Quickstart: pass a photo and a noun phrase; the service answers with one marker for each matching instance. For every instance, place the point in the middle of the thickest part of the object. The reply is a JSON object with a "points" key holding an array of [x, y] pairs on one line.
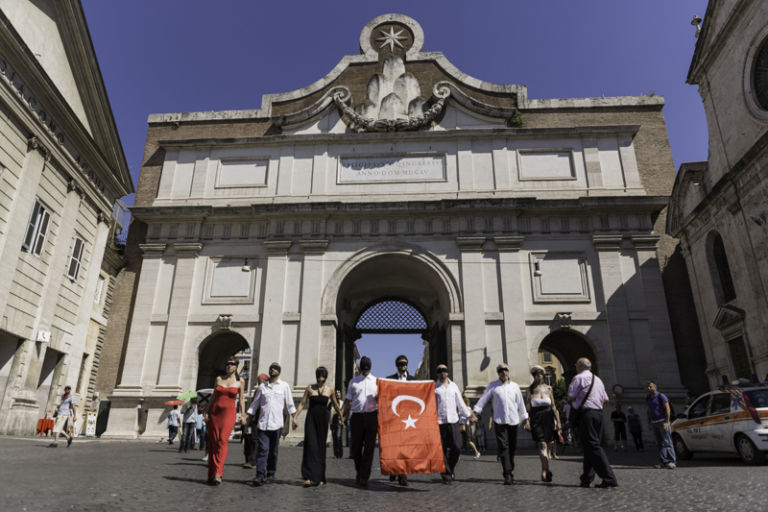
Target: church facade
{"points": [[718, 208], [508, 225]]}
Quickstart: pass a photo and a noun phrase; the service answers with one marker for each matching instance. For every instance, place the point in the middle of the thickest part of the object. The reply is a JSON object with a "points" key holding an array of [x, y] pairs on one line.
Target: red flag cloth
{"points": [[409, 438]]}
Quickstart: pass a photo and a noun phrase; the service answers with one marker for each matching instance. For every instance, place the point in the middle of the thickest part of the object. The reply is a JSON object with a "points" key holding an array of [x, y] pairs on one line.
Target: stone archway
{"points": [[568, 346], [404, 276], [213, 353]]}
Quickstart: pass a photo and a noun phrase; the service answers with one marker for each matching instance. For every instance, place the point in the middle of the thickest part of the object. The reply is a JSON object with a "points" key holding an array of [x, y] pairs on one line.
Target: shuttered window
{"points": [[37, 228], [76, 258]]}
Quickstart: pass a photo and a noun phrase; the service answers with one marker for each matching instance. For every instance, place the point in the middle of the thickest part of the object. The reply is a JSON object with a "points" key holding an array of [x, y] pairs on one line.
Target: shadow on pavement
{"points": [[373, 486]]}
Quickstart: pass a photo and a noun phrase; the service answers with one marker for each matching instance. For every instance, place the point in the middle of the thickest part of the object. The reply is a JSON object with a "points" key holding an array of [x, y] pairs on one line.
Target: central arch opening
{"points": [[388, 305], [214, 352], [390, 327]]}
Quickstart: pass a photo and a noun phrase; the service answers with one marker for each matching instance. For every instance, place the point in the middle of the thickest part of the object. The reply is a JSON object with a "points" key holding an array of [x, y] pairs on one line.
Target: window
{"points": [[739, 357], [721, 272], [36, 230], [721, 404], [76, 258], [546, 356], [699, 408]]}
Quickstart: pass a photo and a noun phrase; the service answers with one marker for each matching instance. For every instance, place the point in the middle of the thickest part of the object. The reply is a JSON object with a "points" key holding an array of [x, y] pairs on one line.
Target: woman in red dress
{"points": [[221, 419]]}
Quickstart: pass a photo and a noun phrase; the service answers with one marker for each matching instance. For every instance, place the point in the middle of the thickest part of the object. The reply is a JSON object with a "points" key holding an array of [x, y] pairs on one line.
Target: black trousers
{"points": [[363, 426], [450, 437], [337, 435], [638, 437], [590, 432], [506, 442]]}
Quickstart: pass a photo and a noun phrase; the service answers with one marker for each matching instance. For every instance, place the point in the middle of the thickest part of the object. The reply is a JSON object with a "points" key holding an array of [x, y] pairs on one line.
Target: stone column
{"points": [[23, 202], [662, 347], [512, 304], [473, 341], [309, 328], [620, 366], [272, 316], [175, 341], [456, 350], [133, 368]]}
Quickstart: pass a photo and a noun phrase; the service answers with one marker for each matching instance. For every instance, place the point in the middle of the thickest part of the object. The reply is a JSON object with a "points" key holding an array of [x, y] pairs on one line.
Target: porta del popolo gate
{"points": [[502, 224]]}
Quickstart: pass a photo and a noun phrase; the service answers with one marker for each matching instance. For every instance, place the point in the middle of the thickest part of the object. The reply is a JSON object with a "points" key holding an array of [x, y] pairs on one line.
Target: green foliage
{"points": [[560, 393]]}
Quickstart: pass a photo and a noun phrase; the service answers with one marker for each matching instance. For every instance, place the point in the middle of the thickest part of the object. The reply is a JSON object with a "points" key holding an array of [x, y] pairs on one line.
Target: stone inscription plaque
{"points": [[391, 169]]}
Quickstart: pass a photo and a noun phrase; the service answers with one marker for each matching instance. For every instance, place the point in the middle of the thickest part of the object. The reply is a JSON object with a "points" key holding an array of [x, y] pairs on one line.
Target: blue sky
{"points": [[186, 55]]}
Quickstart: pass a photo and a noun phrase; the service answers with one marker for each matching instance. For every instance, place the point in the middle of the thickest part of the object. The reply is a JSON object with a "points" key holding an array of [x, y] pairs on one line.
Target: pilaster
{"points": [[309, 353], [272, 316], [513, 302], [473, 340]]}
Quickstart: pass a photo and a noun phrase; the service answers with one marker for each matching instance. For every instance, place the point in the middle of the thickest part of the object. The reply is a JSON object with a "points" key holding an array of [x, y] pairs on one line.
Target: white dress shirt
{"points": [[270, 399], [507, 400], [448, 400], [362, 393]]}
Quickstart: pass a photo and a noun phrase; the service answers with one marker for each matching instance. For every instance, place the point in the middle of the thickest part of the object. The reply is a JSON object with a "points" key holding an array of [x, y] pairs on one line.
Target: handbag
{"points": [[576, 414]]}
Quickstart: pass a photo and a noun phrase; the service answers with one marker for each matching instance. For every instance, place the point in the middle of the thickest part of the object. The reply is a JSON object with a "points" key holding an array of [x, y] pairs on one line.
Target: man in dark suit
{"points": [[402, 374]]}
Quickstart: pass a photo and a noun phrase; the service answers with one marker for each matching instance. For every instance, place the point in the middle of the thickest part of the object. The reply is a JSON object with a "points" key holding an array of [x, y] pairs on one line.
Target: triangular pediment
{"points": [[55, 32], [728, 317]]}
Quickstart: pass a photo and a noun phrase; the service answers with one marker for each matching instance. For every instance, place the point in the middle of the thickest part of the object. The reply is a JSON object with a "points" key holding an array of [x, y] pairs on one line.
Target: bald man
{"points": [[587, 395]]}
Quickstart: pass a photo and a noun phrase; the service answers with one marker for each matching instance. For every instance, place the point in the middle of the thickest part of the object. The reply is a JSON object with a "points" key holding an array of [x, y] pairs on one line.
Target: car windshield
{"points": [[758, 397]]}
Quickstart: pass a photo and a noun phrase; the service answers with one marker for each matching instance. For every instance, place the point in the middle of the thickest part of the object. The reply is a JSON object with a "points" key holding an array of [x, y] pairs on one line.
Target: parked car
{"points": [[731, 419]]}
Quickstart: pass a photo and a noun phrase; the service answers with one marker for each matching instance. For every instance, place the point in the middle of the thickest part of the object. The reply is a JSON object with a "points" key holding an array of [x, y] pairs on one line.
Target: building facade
{"points": [[497, 225], [61, 170], [718, 208]]}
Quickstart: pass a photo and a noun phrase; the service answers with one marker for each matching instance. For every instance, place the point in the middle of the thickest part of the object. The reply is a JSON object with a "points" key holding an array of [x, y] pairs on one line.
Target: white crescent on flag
{"points": [[409, 398]]}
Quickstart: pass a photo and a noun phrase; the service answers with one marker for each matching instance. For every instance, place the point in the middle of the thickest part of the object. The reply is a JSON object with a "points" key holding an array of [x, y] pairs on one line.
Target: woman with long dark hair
{"points": [[222, 415], [545, 421], [319, 397]]}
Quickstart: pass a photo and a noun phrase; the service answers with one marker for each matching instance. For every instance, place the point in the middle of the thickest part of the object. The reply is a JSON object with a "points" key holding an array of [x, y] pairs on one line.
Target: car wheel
{"points": [[748, 451], [681, 449]]}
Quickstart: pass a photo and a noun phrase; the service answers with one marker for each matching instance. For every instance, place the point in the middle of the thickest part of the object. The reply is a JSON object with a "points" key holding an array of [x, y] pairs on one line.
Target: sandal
{"points": [[307, 483]]}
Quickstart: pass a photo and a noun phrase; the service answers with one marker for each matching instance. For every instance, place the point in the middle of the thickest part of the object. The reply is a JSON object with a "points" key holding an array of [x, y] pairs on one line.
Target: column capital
{"points": [[607, 242], [187, 248], [646, 242], [277, 247], [470, 243], [508, 243], [313, 246], [152, 250]]}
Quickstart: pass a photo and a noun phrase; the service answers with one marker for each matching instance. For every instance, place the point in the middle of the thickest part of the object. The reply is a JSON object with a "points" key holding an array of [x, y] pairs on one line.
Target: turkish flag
{"points": [[409, 438]]}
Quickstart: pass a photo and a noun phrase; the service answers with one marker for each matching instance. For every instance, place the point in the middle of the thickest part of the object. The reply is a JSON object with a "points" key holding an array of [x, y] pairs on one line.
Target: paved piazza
{"points": [[142, 476]]}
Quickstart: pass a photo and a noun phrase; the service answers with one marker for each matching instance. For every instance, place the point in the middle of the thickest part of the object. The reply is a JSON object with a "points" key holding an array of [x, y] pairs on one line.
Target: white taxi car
{"points": [[731, 419]]}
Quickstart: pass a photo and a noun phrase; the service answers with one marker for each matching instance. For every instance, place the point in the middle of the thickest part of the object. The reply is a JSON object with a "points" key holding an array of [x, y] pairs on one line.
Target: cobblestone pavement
{"points": [[96, 475]]}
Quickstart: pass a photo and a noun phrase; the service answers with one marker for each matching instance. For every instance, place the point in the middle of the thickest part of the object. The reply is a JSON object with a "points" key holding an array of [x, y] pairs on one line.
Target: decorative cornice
{"points": [[277, 247], [646, 242], [187, 248], [152, 250], [313, 246]]}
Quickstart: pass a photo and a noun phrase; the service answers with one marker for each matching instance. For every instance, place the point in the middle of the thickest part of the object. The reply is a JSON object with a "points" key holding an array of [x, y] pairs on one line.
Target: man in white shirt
{"points": [[450, 405], [361, 400], [508, 412], [271, 399]]}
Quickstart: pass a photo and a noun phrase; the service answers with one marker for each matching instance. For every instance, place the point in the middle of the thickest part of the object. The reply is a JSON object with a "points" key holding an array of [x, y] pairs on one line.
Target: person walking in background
{"points": [[337, 430], [271, 401], [635, 428], [222, 415], [173, 424], [508, 412], [361, 401], [450, 407], [468, 431], [587, 395], [189, 426], [544, 420], [64, 416], [251, 430], [401, 363], [619, 420], [317, 397], [659, 418]]}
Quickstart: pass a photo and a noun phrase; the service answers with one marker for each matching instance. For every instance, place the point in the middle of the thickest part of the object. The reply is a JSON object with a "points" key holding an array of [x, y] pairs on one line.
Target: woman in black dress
{"points": [[317, 397], [543, 417]]}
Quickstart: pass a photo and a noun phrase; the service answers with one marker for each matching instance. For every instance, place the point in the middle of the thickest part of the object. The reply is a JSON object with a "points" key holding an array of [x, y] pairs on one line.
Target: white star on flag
{"points": [[410, 422]]}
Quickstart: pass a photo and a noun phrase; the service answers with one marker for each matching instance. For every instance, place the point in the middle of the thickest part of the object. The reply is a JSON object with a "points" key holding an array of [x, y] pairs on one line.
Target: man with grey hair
{"points": [[587, 395]]}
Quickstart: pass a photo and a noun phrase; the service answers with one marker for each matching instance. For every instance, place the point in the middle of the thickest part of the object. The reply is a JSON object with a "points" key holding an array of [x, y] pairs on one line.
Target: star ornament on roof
{"points": [[391, 38], [410, 422]]}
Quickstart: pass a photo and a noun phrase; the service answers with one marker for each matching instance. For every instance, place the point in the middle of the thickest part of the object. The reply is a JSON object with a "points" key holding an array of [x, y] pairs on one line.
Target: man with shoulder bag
{"points": [[587, 395]]}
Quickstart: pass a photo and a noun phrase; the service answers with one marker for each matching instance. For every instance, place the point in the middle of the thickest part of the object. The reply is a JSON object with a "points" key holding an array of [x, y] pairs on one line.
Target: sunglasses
{"points": [[442, 370], [274, 368], [502, 370], [231, 363], [402, 363]]}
